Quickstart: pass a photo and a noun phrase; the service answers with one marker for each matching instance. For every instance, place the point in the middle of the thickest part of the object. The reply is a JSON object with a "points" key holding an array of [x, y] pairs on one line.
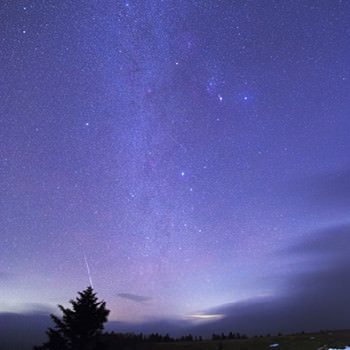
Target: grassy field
{"points": [[310, 341]]}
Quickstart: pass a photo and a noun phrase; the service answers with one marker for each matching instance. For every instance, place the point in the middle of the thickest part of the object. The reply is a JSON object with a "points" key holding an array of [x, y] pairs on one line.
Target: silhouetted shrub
{"points": [[80, 327]]}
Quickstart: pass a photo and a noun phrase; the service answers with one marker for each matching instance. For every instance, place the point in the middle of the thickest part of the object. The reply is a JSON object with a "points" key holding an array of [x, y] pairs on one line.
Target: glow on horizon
{"points": [[205, 317]]}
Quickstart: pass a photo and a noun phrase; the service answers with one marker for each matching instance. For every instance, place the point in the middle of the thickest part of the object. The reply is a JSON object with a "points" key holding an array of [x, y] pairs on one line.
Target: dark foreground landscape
{"points": [[323, 340]]}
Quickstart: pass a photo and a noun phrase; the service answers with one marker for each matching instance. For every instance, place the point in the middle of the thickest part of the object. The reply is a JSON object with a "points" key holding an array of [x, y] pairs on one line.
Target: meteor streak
{"points": [[88, 270]]}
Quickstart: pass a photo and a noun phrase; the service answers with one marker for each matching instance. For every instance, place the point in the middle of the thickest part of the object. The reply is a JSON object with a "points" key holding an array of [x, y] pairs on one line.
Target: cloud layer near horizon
{"points": [[313, 300]]}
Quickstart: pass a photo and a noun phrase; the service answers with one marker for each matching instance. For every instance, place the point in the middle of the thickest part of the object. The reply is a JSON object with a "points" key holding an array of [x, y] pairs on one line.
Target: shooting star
{"points": [[88, 271]]}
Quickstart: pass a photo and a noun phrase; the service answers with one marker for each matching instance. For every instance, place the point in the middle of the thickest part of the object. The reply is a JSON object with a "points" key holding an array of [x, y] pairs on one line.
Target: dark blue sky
{"points": [[189, 154]]}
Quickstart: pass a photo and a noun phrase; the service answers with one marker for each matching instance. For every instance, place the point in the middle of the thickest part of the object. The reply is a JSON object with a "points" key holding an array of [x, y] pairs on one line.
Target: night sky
{"points": [[187, 158]]}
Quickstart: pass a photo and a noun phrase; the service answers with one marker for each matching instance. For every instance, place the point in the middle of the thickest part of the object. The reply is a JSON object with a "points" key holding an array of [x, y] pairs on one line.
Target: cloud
{"points": [[313, 299], [331, 243], [134, 297], [325, 189], [22, 331], [204, 317], [330, 280], [300, 312], [25, 329], [38, 308]]}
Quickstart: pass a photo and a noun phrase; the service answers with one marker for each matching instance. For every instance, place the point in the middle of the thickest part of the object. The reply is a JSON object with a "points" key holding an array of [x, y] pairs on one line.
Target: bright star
{"points": [[182, 173]]}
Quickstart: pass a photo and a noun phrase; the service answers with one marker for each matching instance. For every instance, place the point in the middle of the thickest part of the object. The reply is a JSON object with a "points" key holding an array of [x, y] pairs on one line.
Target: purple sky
{"points": [[194, 154]]}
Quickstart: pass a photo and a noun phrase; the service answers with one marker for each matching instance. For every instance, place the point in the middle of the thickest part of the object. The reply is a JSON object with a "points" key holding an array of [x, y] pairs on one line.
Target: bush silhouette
{"points": [[80, 327]]}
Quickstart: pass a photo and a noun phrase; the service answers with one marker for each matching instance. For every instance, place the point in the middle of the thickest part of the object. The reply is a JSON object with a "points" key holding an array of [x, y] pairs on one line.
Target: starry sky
{"points": [[188, 158]]}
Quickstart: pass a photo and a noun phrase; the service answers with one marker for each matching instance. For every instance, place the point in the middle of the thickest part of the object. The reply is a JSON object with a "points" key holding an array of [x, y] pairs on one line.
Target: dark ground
{"points": [[307, 341]]}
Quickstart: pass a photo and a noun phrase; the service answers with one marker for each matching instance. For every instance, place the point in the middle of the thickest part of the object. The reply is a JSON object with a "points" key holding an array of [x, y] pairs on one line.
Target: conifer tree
{"points": [[80, 327]]}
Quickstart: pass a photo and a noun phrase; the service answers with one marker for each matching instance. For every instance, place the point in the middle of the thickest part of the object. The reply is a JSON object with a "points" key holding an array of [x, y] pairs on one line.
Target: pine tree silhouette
{"points": [[80, 327]]}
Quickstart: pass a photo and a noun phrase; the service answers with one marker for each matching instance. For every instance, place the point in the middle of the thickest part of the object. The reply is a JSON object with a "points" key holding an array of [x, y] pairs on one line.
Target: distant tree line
{"points": [[231, 335], [132, 338]]}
